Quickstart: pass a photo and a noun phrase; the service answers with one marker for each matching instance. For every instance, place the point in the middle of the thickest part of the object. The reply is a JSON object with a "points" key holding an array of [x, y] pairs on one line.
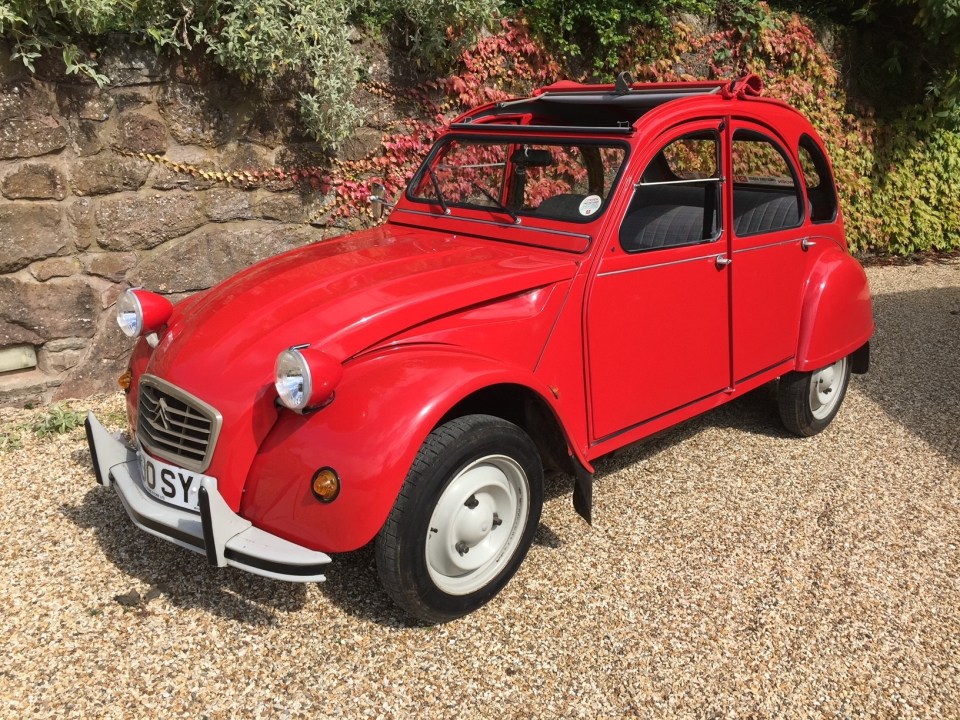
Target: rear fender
{"points": [[384, 408], [837, 315]]}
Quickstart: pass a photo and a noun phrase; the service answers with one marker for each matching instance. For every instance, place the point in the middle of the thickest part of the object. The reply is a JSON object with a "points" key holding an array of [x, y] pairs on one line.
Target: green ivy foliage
{"points": [[594, 33], [899, 52], [899, 181], [431, 33], [917, 190]]}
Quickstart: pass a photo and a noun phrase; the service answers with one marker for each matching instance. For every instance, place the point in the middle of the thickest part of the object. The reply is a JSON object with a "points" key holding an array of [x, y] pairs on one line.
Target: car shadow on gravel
{"points": [[181, 576], [915, 364], [754, 413]]}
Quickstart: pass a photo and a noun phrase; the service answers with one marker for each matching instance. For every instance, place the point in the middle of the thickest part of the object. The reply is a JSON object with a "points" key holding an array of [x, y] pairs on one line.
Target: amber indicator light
{"points": [[325, 485], [124, 380]]}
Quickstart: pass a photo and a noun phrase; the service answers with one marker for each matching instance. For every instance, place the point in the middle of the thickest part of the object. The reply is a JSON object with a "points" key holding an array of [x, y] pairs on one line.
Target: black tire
{"points": [[501, 462], [804, 410]]}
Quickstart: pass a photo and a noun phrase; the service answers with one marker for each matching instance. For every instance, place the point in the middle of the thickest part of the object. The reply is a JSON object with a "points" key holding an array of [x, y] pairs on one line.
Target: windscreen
{"points": [[555, 180]]}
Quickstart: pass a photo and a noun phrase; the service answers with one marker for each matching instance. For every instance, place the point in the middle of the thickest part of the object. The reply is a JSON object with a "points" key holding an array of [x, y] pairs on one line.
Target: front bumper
{"points": [[218, 532]]}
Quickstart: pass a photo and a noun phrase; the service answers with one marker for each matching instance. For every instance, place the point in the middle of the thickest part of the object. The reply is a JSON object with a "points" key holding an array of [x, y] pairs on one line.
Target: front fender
{"points": [[837, 315], [384, 408]]}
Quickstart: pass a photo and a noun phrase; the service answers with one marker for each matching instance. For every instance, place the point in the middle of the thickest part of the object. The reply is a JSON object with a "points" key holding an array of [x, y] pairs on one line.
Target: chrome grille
{"points": [[176, 426]]}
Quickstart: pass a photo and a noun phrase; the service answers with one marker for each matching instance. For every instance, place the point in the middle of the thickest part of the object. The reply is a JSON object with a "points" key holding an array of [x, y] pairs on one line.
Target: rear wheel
{"points": [[809, 401], [464, 519]]}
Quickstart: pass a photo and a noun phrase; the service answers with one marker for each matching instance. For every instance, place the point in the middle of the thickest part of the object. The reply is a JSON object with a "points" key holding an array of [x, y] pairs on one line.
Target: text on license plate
{"points": [[169, 483]]}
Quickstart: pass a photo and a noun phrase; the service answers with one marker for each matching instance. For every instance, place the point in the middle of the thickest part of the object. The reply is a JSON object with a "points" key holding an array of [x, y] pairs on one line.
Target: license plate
{"points": [[169, 483]]}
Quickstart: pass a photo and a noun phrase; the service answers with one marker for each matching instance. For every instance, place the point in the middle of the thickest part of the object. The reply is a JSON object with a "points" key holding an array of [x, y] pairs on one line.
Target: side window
{"points": [[821, 191], [677, 201], [766, 196]]}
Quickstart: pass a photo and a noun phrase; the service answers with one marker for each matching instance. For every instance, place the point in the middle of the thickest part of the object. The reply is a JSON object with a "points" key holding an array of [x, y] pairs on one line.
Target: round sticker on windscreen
{"points": [[590, 204]]}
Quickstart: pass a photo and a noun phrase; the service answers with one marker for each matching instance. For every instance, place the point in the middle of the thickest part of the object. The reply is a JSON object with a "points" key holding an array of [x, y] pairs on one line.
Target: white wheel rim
{"points": [[477, 524], [826, 387]]}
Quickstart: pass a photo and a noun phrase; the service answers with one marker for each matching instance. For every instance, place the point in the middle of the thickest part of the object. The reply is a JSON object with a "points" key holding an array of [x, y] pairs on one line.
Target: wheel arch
{"points": [[837, 314], [528, 410], [385, 408]]}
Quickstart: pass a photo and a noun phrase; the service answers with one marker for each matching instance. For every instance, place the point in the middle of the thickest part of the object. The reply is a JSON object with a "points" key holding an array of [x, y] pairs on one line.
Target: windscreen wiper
{"points": [[436, 188], [496, 201]]}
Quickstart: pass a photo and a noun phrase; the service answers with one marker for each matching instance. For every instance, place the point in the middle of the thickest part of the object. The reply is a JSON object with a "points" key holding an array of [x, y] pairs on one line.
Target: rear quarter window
{"points": [[818, 181], [766, 193]]}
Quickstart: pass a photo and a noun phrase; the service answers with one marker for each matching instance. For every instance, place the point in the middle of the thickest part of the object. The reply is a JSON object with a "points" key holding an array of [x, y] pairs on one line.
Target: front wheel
{"points": [[464, 519], [809, 400]]}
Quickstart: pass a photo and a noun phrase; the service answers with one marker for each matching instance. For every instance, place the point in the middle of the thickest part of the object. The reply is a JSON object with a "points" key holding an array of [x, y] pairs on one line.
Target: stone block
{"points": [[85, 137], [29, 232], [226, 204], [81, 215], [108, 173], [167, 178], [58, 308], [194, 116], [87, 102], [110, 265], [139, 133], [34, 182], [130, 100], [57, 362], [140, 222], [285, 207], [177, 174], [55, 267], [127, 63], [245, 156], [362, 142], [66, 344], [109, 295], [270, 124], [101, 365], [25, 100], [25, 389], [29, 137], [17, 357]]}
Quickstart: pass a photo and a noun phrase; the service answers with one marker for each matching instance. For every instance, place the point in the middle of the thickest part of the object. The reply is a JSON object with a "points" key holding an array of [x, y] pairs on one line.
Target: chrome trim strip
{"points": [[581, 236], [202, 408], [711, 256], [768, 245]]}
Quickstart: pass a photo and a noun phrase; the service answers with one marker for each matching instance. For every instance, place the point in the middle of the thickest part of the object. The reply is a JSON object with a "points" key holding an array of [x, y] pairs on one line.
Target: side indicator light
{"points": [[124, 380], [325, 485]]}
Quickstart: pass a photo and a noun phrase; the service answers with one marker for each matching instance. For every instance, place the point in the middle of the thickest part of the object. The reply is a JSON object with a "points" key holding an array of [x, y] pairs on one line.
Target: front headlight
{"points": [[130, 314], [293, 380], [305, 379], [140, 312]]}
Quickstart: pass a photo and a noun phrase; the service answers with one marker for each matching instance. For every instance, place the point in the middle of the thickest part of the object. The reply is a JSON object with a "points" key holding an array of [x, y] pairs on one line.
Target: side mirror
{"points": [[378, 200]]}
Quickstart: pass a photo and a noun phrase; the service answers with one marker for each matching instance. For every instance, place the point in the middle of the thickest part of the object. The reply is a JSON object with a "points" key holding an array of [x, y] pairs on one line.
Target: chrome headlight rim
{"points": [[130, 313], [293, 394]]}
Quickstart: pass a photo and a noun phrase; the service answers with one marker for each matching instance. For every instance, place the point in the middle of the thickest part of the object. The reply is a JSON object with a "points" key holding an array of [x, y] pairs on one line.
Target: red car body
{"points": [[551, 323]]}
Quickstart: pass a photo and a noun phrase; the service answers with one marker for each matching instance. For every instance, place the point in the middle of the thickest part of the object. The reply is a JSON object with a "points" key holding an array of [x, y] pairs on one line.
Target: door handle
{"points": [[806, 244], [722, 261]]}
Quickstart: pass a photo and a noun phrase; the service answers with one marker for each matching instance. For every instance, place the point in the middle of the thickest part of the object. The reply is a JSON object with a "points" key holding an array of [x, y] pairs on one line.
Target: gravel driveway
{"points": [[731, 571]]}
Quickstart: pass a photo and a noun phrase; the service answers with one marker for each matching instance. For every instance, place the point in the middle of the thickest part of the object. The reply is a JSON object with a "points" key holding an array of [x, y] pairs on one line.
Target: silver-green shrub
{"points": [[303, 44]]}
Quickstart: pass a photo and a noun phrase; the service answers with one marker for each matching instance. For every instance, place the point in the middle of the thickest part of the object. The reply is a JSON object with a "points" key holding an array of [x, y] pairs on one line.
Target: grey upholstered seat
{"points": [[756, 211], [657, 226], [566, 205]]}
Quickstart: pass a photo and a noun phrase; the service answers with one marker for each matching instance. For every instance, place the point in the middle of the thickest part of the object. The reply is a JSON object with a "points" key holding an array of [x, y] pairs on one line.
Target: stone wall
{"points": [[89, 208]]}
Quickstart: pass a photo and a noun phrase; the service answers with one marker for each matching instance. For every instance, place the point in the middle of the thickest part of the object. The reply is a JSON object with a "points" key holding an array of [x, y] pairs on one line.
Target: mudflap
{"points": [[583, 492]]}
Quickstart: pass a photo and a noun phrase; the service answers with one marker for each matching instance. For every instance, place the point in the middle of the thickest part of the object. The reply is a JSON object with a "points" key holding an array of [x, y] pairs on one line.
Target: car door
{"points": [[767, 236], [658, 313]]}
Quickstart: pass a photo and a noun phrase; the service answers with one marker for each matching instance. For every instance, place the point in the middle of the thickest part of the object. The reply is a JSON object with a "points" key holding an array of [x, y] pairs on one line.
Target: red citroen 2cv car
{"points": [[567, 273]]}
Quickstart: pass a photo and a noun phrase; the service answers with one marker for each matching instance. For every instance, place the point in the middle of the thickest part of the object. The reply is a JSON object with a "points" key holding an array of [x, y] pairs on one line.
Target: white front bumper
{"points": [[216, 531]]}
